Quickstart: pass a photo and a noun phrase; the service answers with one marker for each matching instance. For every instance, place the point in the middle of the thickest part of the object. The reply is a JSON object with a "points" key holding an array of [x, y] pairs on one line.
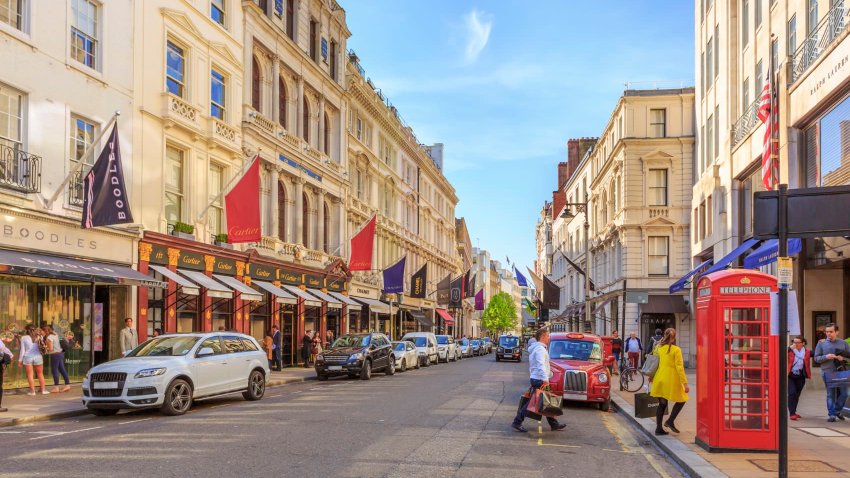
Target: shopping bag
{"points": [[549, 405], [837, 379], [646, 406], [650, 365], [533, 404]]}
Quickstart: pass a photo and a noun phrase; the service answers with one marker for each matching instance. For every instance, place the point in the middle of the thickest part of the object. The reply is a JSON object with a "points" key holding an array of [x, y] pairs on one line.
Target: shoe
{"points": [[831, 419], [519, 428], [3, 409], [671, 427], [840, 416], [560, 427], [45, 392], [659, 433], [31, 394], [794, 417]]}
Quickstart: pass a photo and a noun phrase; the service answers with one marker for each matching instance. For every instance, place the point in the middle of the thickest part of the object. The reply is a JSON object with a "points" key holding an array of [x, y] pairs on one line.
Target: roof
{"points": [[563, 335]]}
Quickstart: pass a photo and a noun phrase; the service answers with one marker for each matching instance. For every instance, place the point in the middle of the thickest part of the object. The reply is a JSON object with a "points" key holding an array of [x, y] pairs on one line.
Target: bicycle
{"points": [[631, 379]]}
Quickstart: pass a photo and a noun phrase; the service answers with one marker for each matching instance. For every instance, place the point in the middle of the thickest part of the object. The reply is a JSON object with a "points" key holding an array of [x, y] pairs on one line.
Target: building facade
{"points": [[543, 241]]}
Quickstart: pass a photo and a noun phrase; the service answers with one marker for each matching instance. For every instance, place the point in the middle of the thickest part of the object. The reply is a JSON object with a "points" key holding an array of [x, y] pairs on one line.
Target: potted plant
{"points": [[221, 241], [183, 231]]}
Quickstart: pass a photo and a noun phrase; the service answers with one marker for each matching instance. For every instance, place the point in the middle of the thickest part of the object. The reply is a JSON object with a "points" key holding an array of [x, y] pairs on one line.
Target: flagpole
{"points": [[48, 203], [225, 189]]}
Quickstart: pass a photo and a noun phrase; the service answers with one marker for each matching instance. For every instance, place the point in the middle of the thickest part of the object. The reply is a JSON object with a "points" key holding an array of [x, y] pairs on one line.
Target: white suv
{"points": [[447, 348], [426, 346], [170, 371]]}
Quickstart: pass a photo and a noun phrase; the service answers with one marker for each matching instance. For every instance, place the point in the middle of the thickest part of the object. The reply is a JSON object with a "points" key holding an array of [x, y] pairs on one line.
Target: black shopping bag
{"points": [[837, 379], [646, 406]]}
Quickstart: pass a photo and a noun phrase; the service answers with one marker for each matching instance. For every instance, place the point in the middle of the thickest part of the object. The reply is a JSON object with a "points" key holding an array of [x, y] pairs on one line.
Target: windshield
{"points": [[353, 341], [419, 341], [400, 346], [574, 349], [464, 342], [165, 347], [509, 342], [475, 342], [442, 339]]}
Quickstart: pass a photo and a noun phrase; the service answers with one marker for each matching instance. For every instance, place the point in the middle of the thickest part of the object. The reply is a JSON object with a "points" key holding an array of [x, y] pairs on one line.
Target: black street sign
{"points": [[812, 212]]}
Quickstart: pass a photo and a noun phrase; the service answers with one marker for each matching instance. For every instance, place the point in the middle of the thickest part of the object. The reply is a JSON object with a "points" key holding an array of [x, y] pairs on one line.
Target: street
{"points": [[446, 420]]}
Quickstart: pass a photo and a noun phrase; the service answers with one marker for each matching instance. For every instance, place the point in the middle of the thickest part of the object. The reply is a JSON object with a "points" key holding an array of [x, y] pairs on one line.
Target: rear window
{"points": [[233, 344], [508, 342], [442, 340], [249, 344]]}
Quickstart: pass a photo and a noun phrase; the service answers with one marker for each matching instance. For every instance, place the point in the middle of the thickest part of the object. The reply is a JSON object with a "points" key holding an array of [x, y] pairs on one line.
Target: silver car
{"points": [[406, 355], [447, 349], [465, 347]]}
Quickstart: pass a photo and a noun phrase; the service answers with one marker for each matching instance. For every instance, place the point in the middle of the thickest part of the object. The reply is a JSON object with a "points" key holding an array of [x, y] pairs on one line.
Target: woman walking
{"points": [[6, 357], [57, 359], [799, 369], [669, 383], [268, 346], [31, 358]]}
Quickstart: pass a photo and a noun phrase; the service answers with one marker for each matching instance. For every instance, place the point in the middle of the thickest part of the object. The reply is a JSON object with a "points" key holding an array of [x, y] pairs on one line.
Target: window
{"points": [[702, 229], [758, 13], [326, 141], [233, 344], [175, 67], [281, 211], [709, 213], [709, 63], [12, 13], [82, 136], [217, 95], [658, 256], [11, 117], [255, 83], [216, 212], [702, 72], [658, 123], [745, 22], [314, 34], [657, 187], [213, 343], [745, 95], [709, 139], [792, 35], [774, 53], [759, 79], [358, 128], [173, 184], [716, 132], [306, 120], [358, 181], [716, 52], [812, 16], [290, 19], [217, 11], [84, 32], [282, 101], [333, 60]]}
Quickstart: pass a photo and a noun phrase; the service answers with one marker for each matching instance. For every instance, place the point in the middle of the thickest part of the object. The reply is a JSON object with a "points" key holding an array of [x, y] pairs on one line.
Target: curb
{"points": [[84, 411], [677, 451]]}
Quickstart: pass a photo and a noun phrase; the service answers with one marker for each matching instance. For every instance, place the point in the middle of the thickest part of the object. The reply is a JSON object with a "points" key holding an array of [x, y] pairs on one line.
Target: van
{"points": [[426, 346]]}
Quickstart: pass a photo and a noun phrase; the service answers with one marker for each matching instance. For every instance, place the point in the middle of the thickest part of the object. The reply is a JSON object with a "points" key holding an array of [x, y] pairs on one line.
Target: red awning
{"points": [[446, 317]]}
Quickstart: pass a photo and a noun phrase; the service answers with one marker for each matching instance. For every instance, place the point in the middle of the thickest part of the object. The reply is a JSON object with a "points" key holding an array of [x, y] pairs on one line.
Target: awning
{"points": [[186, 286], [309, 300], [728, 258], [664, 304], [374, 305], [39, 265], [599, 306], [352, 304], [333, 302], [245, 292], [769, 251], [214, 289], [680, 284], [421, 317], [447, 318], [283, 297]]}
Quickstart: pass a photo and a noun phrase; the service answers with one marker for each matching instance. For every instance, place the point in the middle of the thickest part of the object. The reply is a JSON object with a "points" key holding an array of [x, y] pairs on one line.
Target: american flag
{"points": [[768, 113]]}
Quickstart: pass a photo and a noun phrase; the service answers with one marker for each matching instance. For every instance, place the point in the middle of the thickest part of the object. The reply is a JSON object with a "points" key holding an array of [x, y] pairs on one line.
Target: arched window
{"points": [[305, 226], [255, 84], [327, 226], [281, 103], [327, 138], [306, 120], [281, 212]]}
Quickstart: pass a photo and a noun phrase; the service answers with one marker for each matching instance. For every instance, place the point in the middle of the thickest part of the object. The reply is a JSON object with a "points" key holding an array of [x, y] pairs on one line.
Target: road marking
{"points": [[4, 432], [621, 438], [220, 405], [65, 433], [136, 421], [275, 396], [654, 463]]}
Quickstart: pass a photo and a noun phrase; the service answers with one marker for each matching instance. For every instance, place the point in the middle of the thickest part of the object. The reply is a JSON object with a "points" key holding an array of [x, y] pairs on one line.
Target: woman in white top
{"points": [[31, 359], [57, 359], [4, 353]]}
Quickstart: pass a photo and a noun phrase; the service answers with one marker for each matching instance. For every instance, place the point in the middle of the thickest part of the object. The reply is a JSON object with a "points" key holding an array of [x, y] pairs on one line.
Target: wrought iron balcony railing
{"points": [[828, 30], [746, 123], [19, 170], [75, 188]]}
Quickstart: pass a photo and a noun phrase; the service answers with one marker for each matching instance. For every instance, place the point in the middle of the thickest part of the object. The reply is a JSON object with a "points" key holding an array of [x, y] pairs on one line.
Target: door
{"points": [[209, 376], [746, 374], [382, 351], [287, 331], [237, 363]]}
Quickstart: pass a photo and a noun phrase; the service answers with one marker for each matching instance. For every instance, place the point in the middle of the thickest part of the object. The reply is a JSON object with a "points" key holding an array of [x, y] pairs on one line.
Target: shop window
{"points": [[84, 43], [827, 148]]}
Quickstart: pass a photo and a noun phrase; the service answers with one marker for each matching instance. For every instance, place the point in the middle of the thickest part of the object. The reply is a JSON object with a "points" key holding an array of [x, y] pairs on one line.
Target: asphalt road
{"points": [[446, 420]]}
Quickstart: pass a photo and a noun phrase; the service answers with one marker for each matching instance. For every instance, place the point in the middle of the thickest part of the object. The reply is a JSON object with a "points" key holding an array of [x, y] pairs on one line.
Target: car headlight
{"points": [[320, 358], [602, 377], [500, 349], [355, 357], [150, 372]]}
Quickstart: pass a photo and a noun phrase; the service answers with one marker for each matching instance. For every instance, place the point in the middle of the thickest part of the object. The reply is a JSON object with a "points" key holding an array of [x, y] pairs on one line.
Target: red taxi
{"points": [[580, 368]]}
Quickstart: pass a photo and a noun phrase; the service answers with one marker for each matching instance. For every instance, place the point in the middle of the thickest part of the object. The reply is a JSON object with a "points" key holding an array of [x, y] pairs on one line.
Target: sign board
{"points": [[793, 315], [637, 297], [811, 213], [786, 271]]}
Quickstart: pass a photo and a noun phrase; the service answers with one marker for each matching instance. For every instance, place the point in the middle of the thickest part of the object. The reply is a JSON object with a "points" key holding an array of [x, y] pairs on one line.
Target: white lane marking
{"points": [[136, 421], [275, 396], [9, 432], [65, 433], [219, 406]]}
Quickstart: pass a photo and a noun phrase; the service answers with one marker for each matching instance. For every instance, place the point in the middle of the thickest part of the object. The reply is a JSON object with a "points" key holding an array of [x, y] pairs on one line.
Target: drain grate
{"points": [[799, 466]]}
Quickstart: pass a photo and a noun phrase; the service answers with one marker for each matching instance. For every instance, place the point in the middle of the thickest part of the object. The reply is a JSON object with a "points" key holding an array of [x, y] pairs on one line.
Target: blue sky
{"points": [[504, 86]]}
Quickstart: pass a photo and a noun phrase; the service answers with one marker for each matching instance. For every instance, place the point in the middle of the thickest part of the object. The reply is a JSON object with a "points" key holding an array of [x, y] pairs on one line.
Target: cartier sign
{"points": [[263, 273], [314, 282], [291, 278]]}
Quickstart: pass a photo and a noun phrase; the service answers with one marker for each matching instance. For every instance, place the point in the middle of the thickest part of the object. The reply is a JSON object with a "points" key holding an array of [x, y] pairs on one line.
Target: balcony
{"points": [[746, 124], [830, 29], [178, 110], [262, 123], [75, 188], [19, 170], [295, 252], [224, 135]]}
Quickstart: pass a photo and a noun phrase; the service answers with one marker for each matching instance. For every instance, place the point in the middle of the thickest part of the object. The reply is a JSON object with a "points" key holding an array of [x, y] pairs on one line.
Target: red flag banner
{"points": [[242, 206], [768, 114], [362, 246]]}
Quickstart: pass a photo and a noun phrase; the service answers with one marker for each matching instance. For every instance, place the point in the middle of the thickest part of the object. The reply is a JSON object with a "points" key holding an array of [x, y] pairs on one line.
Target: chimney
{"points": [[563, 174]]}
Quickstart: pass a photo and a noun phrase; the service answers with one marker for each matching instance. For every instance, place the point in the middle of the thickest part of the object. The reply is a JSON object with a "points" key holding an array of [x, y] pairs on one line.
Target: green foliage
{"points": [[500, 314], [184, 228], [221, 238]]}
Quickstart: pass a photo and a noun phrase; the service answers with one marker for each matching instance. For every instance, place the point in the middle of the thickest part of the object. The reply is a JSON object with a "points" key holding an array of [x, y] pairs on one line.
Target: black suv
{"points": [[357, 355], [508, 348]]}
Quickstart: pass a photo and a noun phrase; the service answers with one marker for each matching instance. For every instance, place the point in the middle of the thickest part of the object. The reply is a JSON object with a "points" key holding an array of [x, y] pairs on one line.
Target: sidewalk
{"points": [[26, 409], [815, 445]]}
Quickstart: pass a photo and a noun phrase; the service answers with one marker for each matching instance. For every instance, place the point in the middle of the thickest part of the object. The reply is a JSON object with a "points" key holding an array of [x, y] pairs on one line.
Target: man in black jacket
{"points": [[306, 348], [652, 341]]}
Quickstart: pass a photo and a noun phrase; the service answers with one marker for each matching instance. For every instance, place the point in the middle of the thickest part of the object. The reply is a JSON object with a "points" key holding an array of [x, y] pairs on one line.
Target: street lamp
{"points": [[581, 207]]}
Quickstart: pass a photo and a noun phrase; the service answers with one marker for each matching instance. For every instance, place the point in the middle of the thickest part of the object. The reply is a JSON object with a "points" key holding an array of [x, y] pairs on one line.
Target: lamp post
{"points": [[581, 207]]}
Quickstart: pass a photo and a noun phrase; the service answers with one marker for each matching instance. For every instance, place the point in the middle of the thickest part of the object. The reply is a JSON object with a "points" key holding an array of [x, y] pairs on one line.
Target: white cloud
{"points": [[478, 34]]}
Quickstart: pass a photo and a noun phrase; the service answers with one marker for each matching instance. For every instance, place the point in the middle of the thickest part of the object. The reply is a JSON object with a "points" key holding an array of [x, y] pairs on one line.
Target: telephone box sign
{"points": [[744, 290]]}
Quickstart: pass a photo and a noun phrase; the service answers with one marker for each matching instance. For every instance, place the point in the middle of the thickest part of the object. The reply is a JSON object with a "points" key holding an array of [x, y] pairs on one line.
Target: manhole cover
{"points": [[812, 466]]}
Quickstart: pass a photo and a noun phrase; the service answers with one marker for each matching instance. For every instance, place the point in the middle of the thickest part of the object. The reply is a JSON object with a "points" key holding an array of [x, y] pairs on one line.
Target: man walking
{"points": [[276, 360], [306, 348], [633, 349], [129, 338], [616, 349], [652, 341], [538, 367], [830, 353]]}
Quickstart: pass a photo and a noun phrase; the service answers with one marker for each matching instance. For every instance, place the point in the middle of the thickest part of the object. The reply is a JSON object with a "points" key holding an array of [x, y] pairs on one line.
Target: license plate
{"points": [[105, 385], [335, 367], [575, 396]]}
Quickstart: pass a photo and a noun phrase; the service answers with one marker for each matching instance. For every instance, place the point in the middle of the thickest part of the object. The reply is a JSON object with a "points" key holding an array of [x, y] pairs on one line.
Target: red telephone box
{"points": [[737, 376]]}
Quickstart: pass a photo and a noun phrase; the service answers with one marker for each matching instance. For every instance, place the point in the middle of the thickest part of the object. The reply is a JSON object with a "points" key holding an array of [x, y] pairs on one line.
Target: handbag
{"points": [[650, 365], [646, 406], [533, 402], [837, 379], [549, 405]]}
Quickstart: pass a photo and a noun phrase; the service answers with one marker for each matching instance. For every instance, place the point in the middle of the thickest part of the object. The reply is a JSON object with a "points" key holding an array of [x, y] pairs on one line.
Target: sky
{"points": [[504, 84]]}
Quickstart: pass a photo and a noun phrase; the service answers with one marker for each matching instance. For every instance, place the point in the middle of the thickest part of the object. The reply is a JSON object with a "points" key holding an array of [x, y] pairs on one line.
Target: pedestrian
{"points": [[830, 354], [57, 359], [31, 359], [316, 347], [276, 348], [538, 368], [306, 346], [633, 349], [129, 337], [268, 346], [616, 350], [653, 341], [330, 338], [221, 328], [6, 357], [669, 384], [157, 332], [799, 370]]}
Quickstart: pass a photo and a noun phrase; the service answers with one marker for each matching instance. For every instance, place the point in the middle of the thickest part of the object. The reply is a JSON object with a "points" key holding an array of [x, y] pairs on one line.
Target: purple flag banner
{"points": [[479, 300], [105, 200], [394, 277]]}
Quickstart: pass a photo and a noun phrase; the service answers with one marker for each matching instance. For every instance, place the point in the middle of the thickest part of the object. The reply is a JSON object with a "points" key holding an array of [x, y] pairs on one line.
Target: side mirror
{"points": [[206, 351]]}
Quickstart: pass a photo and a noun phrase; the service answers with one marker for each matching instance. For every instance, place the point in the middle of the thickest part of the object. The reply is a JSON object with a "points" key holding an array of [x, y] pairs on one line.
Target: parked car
{"points": [[357, 355], [509, 348], [405, 355], [487, 344], [169, 372], [426, 346], [476, 347], [465, 347], [579, 369], [447, 348]]}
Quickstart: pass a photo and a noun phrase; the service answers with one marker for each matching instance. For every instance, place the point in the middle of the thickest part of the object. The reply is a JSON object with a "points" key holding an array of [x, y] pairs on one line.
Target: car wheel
{"points": [[427, 360], [178, 398], [417, 363], [403, 365], [256, 386], [605, 406], [498, 359], [366, 371], [321, 377], [390, 370], [108, 412], [352, 375]]}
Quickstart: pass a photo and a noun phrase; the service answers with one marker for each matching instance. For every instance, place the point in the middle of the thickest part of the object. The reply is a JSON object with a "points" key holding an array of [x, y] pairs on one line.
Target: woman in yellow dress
{"points": [[669, 383]]}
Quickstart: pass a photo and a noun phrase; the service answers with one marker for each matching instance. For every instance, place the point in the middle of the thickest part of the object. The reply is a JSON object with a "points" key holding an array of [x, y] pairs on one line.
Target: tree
{"points": [[500, 313]]}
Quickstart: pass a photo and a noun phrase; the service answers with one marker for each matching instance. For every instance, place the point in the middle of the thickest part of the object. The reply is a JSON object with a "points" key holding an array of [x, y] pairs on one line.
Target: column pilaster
{"points": [[299, 211], [320, 220], [275, 204], [276, 88], [300, 108], [321, 140]]}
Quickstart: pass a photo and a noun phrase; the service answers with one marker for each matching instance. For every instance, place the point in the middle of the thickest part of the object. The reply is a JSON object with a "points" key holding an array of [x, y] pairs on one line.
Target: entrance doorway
{"points": [[650, 322]]}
